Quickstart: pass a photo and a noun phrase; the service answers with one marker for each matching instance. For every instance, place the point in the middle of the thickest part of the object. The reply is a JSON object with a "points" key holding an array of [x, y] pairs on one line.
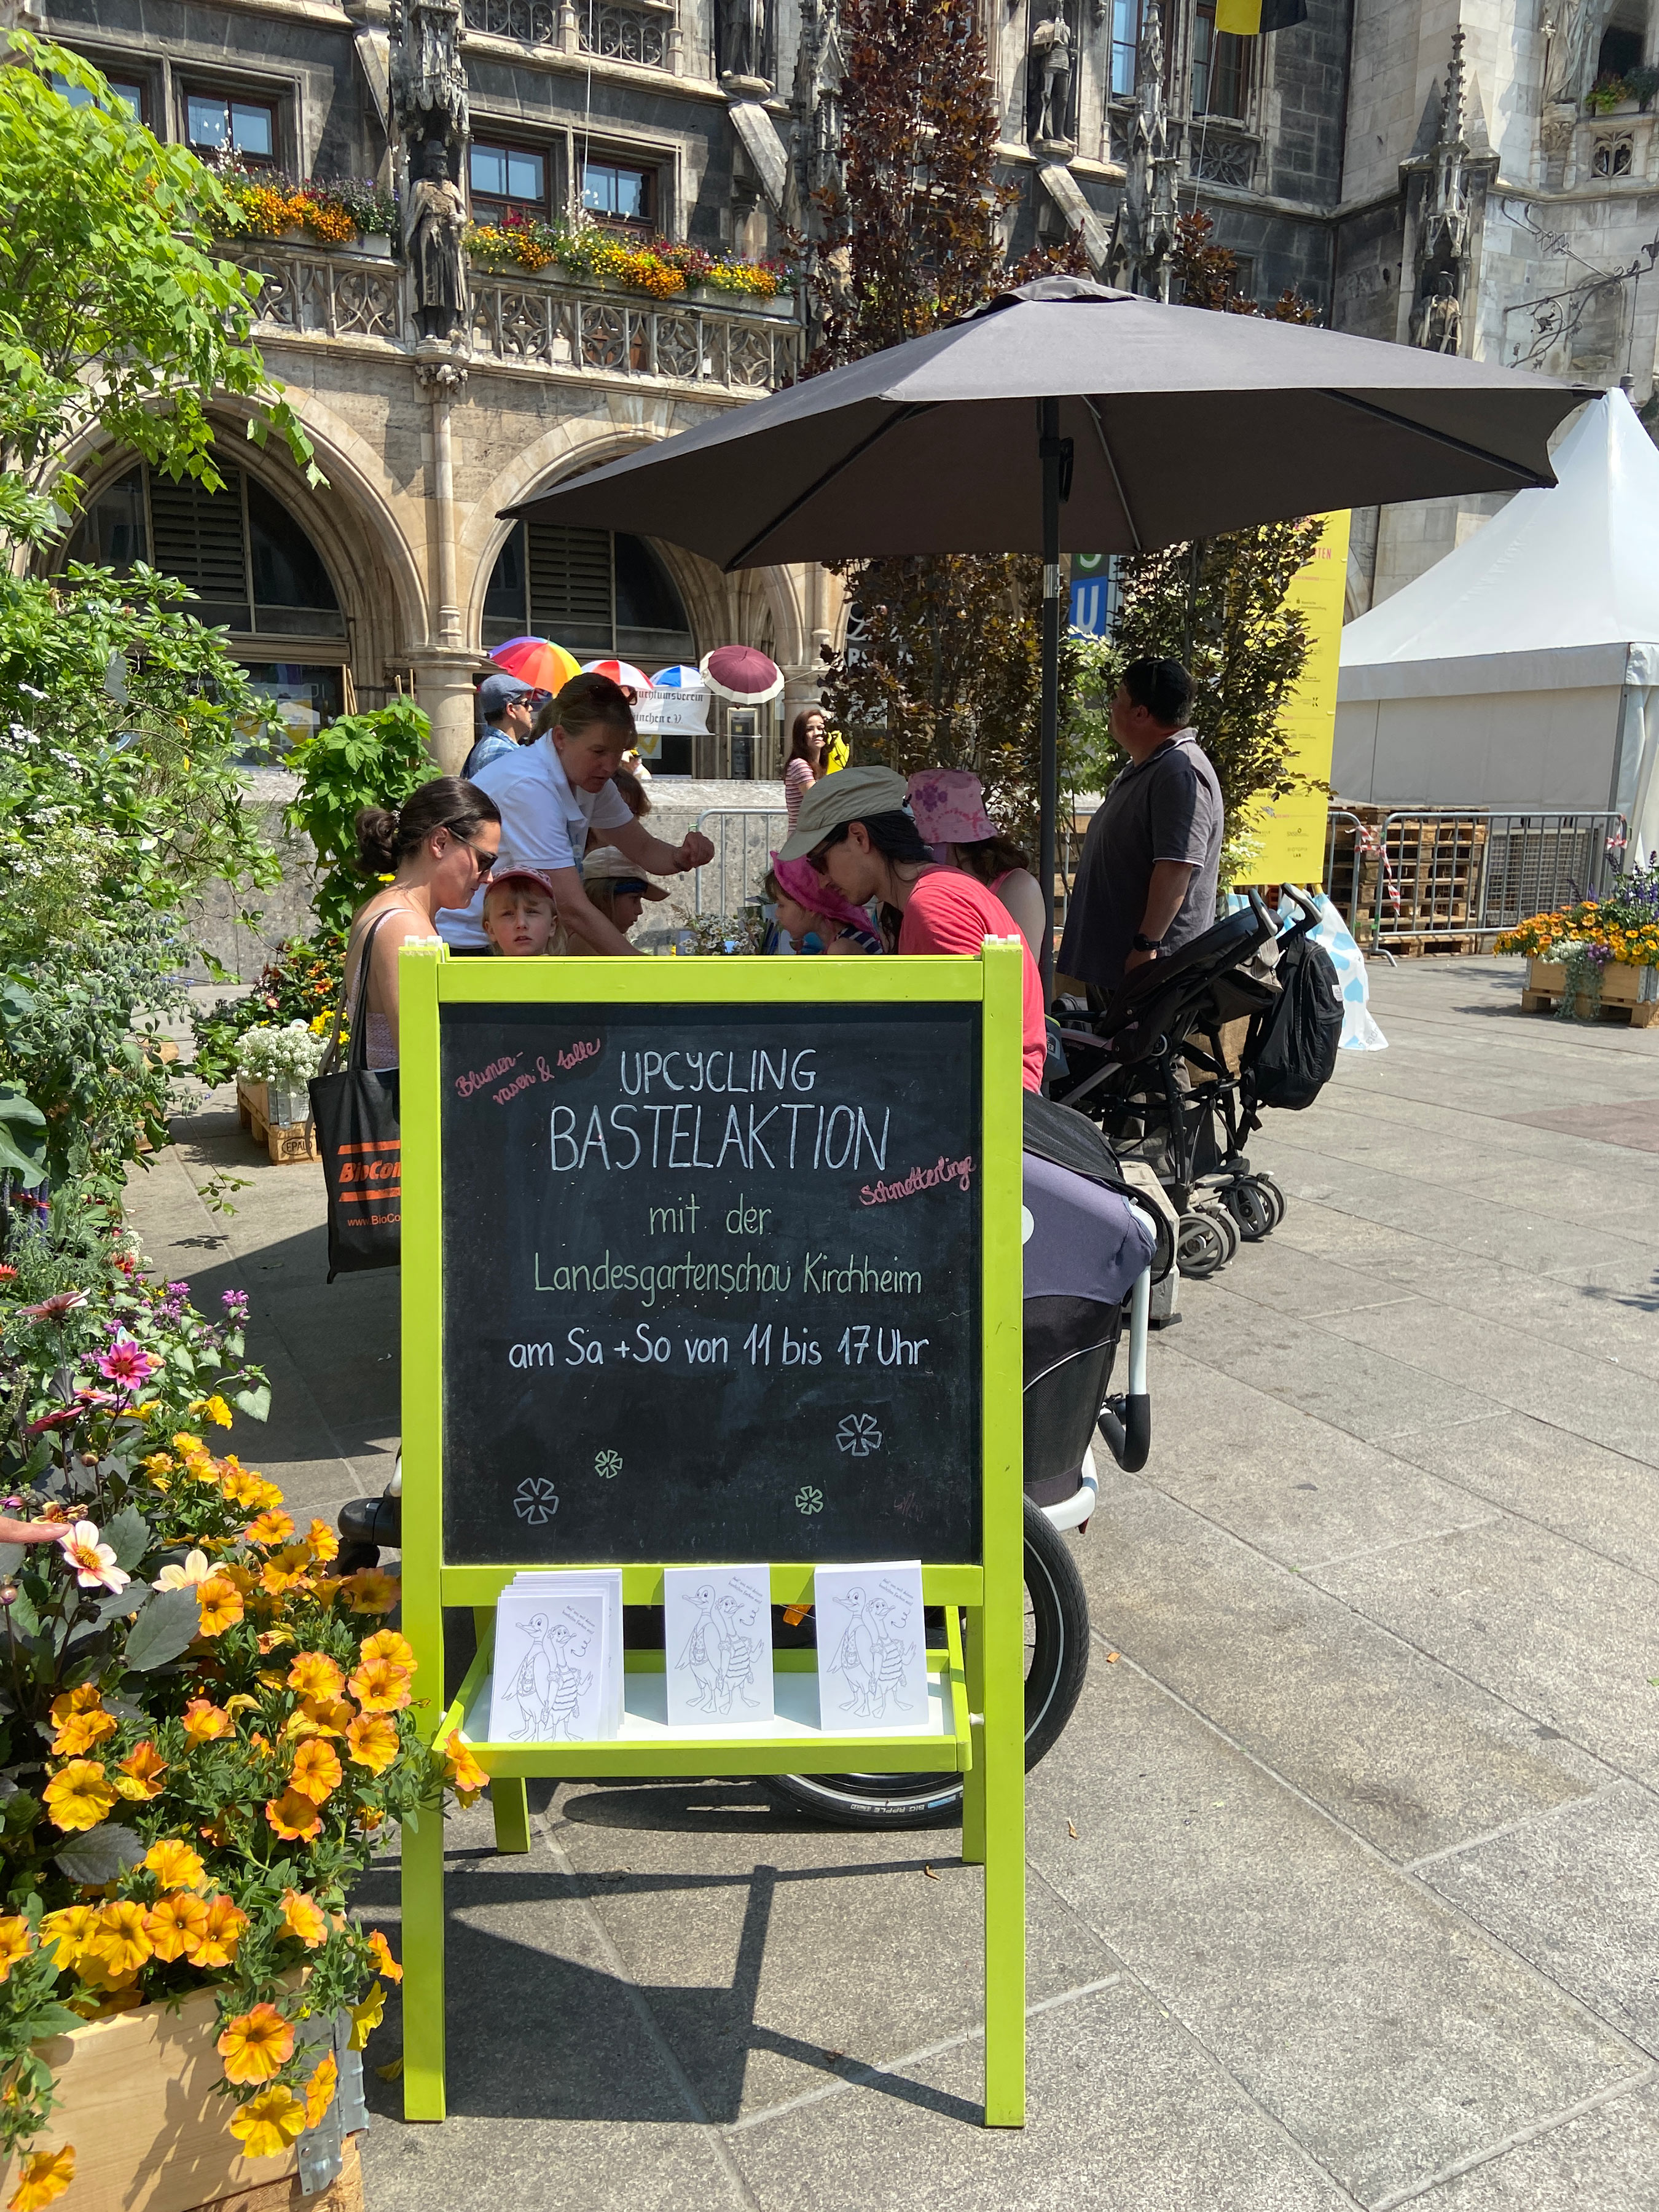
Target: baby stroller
{"points": [[1178, 1067], [1094, 1245]]}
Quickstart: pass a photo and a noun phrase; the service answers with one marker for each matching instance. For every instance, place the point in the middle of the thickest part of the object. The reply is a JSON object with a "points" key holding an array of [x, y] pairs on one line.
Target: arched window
{"points": [[594, 592], [252, 568]]}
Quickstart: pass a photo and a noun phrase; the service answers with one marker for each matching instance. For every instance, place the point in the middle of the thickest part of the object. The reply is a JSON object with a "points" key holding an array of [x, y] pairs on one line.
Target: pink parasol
{"points": [[743, 674]]}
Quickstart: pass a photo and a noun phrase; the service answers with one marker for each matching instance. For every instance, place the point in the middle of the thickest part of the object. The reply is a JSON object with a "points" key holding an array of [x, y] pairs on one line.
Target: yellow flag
{"points": [[1248, 19]]}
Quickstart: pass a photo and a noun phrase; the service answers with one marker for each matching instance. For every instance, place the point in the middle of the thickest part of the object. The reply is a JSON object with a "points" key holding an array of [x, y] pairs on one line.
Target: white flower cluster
{"points": [[290, 1056]]}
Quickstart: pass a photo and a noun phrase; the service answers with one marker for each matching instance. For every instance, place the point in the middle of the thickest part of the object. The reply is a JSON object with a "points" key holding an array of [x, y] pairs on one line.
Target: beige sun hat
{"points": [[853, 796]]}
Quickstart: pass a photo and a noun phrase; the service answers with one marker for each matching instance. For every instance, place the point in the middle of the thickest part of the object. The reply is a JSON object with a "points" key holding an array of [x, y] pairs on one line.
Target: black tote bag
{"points": [[355, 1111]]}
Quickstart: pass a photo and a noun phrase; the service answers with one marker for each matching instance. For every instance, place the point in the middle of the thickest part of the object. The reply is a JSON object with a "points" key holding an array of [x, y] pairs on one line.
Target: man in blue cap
{"points": [[508, 709]]}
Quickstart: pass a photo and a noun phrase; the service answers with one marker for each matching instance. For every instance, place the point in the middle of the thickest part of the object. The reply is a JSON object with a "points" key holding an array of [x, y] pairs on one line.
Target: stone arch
{"points": [[720, 608]]}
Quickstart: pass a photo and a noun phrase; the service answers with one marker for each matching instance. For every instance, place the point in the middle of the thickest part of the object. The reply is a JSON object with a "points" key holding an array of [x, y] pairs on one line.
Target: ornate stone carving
{"points": [[744, 46], [1445, 223], [1143, 235], [441, 377], [1437, 326], [437, 219], [428, 83], [1049, 79]]}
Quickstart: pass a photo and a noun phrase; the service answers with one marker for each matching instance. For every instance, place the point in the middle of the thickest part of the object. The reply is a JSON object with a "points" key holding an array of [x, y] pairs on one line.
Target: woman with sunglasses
{"points": [[437, 849]]}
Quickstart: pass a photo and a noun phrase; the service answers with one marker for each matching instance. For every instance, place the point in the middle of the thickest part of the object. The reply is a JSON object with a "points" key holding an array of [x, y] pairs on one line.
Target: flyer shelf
{"points": [[791, 1742]]}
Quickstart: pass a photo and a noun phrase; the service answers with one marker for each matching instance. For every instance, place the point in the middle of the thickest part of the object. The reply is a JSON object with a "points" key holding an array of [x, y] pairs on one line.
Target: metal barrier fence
{"points": [[744, 838], [1420, 874]]}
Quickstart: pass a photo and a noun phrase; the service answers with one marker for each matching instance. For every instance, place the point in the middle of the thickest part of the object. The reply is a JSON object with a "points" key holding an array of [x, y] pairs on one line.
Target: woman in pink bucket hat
{"points": [[948, 807]]}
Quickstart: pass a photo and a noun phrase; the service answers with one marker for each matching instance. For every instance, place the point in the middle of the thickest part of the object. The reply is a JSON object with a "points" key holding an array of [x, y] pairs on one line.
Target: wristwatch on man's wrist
{"points": [[1144, 944]]}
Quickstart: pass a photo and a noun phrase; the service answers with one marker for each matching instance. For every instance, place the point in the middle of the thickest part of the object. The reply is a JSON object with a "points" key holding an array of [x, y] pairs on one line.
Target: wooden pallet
{"points": [[287, 1143], [1637, 1014]]}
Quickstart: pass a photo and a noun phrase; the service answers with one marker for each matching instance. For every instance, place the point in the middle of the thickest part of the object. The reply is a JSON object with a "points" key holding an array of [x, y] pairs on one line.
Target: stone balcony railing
{"points": [[643, 31], [536, 322]]}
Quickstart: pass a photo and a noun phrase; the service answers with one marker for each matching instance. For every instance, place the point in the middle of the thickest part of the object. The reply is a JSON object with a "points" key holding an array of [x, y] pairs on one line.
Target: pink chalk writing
{"points": [[590, 1049], [479, 1079], [960, 1172]]}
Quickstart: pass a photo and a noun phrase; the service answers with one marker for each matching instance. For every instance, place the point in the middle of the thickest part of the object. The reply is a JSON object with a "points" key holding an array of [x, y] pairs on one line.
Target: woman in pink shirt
{"points": [[855, 830], [805, 763]]}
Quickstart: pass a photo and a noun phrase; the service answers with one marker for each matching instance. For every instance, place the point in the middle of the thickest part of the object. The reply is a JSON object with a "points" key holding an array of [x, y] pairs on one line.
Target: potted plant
{"points": [[1595, 953], [274, 1064], [205, 1730]]}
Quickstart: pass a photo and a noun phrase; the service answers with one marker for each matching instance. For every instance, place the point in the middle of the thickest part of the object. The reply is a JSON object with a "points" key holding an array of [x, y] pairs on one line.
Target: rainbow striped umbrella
{"points": [[537, 661]]}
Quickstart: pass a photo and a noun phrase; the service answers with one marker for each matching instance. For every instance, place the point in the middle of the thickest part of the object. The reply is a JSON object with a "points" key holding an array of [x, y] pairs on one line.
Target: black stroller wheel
{"points": [[1250, 1209], [1207, 1202], [1273, 1197], [1202, 1245], [1056, 1661]]}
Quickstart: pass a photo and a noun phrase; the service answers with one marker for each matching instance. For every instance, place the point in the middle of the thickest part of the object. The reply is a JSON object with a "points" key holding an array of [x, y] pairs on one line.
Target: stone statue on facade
{"points": [[1437, 326], [1575, 28], [427, 80], [743, 37], [1143, 233], [1050, 78], [437, 220]]}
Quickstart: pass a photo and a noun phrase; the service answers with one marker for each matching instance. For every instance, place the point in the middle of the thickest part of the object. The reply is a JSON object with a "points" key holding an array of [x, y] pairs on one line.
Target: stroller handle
{"points": [[1308, 911]]}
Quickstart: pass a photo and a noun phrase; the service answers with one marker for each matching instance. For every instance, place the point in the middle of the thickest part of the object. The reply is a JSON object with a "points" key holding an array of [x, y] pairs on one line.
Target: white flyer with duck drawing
{"points": [[717, 1645], [872, 1647]]}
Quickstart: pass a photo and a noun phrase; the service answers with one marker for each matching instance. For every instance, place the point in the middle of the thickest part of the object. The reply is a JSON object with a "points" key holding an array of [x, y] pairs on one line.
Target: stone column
{"points": [[444, 667]]}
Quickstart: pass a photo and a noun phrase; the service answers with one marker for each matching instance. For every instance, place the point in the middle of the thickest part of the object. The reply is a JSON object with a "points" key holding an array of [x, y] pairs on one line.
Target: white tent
{"points": [[1522, 671]]}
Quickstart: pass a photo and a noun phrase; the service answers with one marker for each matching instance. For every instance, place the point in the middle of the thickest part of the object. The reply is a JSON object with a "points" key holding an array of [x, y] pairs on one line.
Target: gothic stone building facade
{"points": [[1434, 172]]}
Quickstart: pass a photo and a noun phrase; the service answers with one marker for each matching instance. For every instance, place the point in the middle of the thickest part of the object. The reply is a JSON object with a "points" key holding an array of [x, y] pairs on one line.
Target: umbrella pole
{"points": [[1050, 452]]}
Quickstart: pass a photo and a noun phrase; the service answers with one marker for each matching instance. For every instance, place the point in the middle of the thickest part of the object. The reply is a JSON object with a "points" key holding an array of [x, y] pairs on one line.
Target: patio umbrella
{"points": [[742, 673], [1067, 416], [537, 661]]}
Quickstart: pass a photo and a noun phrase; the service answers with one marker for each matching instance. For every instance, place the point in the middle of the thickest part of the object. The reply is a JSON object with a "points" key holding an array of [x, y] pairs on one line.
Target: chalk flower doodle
{"points": [[808, 1500], [608, 1465], [858, 1435], [536, 1500]]}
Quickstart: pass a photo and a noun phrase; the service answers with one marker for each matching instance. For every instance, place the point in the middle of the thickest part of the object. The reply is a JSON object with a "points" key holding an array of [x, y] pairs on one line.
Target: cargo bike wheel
{"points": [[1056, 1661]]}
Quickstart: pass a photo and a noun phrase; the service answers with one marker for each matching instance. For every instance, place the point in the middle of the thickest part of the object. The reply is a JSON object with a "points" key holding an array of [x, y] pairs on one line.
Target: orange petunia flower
{"points": [[317, 1771], [141, 1773], [66, 1931], [81, 1732], [383, 1959], [271, 1527], [386, 1643], [269, 2121], [226, 1923], [293, 1816], [328, 1716], [304, 1918], [318, 2091], [370, 1590], [286, 1570], [322, 1541], [379, 1686], [464, 1771], [77, 1795], [121, 1939], [255, 2044], [175, 1865], [14, 1942], [46, 2175], [313, 1674], [221, 1603], [373, 1741], [205, 1722], [179, 1925]]}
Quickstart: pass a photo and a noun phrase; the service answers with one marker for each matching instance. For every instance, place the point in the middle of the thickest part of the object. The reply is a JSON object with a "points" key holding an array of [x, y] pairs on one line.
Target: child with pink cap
{"points": [[809, 905], [948, 807]]}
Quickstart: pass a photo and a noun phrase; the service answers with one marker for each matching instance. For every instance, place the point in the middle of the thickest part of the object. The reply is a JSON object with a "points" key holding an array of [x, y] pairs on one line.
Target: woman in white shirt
{"points": [[551, 792]]}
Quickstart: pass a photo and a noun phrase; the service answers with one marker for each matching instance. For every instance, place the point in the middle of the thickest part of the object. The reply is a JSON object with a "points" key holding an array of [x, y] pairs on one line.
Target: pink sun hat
{"points": [[948, 805]]}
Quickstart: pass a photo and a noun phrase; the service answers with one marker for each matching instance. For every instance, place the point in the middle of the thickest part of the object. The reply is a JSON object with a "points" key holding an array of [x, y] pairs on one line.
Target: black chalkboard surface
{"points": [[711, 1283]]}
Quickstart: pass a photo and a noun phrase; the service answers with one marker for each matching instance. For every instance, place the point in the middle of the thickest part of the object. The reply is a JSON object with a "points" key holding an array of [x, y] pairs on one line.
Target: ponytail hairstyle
{"points": [[587, 700], [991, 857], [385, 838]]}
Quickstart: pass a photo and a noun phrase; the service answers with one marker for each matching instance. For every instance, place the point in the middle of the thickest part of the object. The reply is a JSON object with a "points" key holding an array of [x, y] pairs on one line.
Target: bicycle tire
{"points": [[1059, 1618]]}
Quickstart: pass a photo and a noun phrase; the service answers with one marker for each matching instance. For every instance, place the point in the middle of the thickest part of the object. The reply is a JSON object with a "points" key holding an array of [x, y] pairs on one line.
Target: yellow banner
{"points": [[1243, 17], [1292, 830]]}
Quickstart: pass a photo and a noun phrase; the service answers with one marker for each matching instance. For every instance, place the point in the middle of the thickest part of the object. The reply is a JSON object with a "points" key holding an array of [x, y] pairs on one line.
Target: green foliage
{"points": [[376, 759], [301, 984], [1219, 605], [113, 314], [948, 671]]}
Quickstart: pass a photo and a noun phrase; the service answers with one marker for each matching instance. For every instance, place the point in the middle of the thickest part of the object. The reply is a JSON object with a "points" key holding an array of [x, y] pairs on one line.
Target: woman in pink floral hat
{"points": [[948, 805]]}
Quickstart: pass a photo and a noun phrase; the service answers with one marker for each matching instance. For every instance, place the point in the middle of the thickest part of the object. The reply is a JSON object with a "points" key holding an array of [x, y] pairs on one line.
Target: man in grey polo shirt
{"points": [[1146, 880]]}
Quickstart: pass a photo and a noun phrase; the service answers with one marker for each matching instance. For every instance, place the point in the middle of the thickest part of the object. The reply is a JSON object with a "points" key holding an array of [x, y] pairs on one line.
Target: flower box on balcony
{"points": [[136, 2097]]}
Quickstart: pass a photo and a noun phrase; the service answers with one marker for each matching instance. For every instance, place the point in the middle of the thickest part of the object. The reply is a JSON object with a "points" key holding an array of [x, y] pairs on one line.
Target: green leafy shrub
{"points": [[376, 759]]}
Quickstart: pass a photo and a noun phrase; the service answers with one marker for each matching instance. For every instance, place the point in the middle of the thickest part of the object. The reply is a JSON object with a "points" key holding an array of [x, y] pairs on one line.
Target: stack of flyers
{"points": [[717, 1645], [558, 1669], [873, 1646]]}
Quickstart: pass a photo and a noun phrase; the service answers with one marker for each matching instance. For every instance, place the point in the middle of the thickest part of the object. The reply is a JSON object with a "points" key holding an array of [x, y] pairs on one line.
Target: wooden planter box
{"points": [[1631, 994], [135, 2098], [285, 1142]]}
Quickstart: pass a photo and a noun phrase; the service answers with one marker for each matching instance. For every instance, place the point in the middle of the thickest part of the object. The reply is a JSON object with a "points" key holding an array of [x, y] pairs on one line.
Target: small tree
{"points": [[114, 313], [946, 671]]}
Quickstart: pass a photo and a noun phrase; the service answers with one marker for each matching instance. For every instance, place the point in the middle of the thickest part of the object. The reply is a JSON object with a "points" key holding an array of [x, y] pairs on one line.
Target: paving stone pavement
{"points": [[1342, 1879]]}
